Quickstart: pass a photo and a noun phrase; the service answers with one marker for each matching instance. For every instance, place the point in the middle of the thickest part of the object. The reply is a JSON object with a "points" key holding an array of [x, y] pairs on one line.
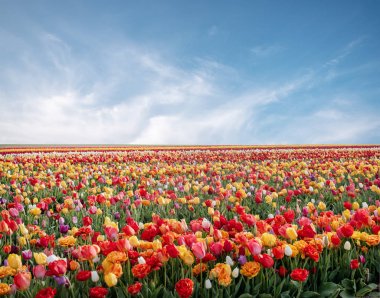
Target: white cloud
{"points": [[125, 93]]}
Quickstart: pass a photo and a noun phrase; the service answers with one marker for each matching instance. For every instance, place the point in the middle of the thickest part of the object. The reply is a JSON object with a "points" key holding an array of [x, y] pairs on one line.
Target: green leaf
{"points": [[247, 287], [156, 292], [279, 288], [367, 289], [347, 294], [374, 294], [256, 289], [285, 295], [333, 274], [348, 284], [328, 288], [245, 296], [265, 295], [237, 288], [310, 294], [295, 283]]}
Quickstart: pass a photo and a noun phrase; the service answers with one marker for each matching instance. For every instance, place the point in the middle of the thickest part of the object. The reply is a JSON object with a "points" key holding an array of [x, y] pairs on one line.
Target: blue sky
{"points": [[189, 72]]}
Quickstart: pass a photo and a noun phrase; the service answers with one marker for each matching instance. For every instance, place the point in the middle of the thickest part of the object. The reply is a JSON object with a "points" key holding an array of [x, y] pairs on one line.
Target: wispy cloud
{"points": [[130, 95], [125, 93], [266, 50], [346, 51]]}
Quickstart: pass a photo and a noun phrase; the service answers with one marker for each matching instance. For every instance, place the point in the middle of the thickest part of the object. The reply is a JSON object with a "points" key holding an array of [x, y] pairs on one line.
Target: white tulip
{"points": [[206, 223], [94, 276], [288, 251], [235, 272], [208, 284], [51, 258], [141, 260], [325, 240], [347, 245], [229, 261]]}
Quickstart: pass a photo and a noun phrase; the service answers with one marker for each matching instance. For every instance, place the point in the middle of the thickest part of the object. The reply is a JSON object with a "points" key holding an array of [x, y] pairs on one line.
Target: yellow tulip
{"points": [[268, 239], [40, 258], [291, 233], [110, 279], [14, 261]]}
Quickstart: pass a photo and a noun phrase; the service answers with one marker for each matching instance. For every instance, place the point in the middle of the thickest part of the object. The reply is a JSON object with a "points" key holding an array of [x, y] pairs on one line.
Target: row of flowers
{"points": [[183, 223]]}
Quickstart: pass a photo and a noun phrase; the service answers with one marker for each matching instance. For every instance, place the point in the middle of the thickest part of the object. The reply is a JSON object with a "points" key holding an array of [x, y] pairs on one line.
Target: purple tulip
{"points": [[116, 215], [242, 260], [27, 254], [61, 280], [63, 229]]}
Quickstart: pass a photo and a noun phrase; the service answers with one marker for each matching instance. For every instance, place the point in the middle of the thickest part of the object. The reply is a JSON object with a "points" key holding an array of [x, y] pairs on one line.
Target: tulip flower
{"points": [[288, 251], [22, 280], [347, 245]]}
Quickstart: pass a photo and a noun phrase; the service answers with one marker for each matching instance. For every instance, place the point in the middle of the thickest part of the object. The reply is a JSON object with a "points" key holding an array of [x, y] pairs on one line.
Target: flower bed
{"points": [[190, 221]]}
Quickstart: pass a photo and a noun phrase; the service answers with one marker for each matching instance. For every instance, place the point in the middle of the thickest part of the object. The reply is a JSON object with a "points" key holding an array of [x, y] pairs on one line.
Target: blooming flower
{"points": [[250, 269], [184, 287], [22, 280], [299, 274]]}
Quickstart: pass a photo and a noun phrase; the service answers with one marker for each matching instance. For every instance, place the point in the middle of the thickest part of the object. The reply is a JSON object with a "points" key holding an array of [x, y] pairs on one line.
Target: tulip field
{"points": [[190, 221]]}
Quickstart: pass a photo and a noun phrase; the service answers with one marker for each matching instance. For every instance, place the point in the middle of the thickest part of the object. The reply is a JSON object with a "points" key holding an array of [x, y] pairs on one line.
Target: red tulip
{"points": [[46, 293], [354, 264], [135, 288], [83, 275], [172, 251], [57, 268], [265, 260], [98, 292], [22, 280], [184, 287], [299, 274], [216, 248]]}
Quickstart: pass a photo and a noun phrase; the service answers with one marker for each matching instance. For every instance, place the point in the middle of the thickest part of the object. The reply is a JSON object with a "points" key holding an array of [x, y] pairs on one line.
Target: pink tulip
{"points": [[216, 248], [198, 249], [39, 271], [254, 247]]}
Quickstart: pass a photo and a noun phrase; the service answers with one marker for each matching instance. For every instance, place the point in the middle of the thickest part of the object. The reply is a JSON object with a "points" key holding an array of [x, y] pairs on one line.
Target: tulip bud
{"points": [[110, 279], [235, 272], [94, 276], [229, 261], [347, 245], [208, 284], [288, 251]]}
